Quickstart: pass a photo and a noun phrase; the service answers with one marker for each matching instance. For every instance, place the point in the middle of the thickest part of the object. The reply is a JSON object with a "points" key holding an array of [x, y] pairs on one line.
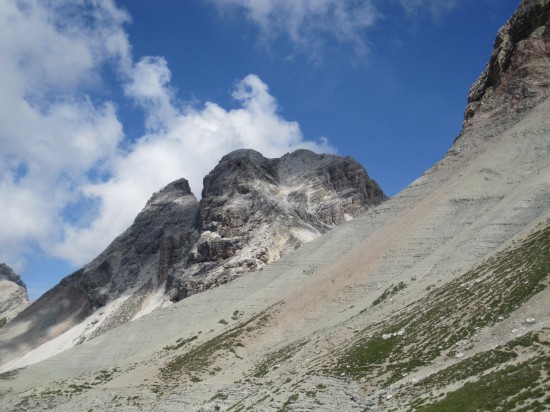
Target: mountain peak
{"points": [[13, 294], [253, 210], [171, 192], [7, 273]]}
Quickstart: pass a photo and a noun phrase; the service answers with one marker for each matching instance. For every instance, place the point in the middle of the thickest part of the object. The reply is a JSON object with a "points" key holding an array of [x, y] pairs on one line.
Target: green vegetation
{"points": [[437, 324], [482, 362], [180, 343], [517, 386], [3, 321], [222, 322], [219, 395], [389, 292], [105, 375], [277, 357], [74, 388], [291, 399], [200, 358]]}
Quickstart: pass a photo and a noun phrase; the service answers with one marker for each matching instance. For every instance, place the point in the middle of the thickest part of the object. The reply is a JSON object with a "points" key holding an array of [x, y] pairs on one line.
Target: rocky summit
{"points": [[435, 300], [253, 210], [13, 294]]}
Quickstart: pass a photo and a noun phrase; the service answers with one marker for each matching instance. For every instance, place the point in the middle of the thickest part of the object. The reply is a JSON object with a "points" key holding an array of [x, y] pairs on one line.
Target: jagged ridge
{"points": [[253, 210]]}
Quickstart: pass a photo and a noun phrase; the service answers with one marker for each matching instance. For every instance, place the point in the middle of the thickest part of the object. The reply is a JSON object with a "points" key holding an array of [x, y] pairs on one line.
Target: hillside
{"points": [[252, 211], [437, 299]]}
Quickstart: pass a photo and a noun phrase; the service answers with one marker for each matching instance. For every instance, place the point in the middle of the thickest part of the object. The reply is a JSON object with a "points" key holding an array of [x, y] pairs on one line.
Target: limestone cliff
{"points": [[253, 210], [13, 294], [516, 76]]}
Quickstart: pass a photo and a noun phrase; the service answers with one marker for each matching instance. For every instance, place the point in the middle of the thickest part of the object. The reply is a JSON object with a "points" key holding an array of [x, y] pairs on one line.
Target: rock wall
{"points": [[13, 294], [516, 76], [253, 210]]}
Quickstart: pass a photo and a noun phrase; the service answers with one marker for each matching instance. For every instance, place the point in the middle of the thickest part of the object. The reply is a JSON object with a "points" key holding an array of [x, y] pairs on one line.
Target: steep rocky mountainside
{"points": [[437, 299], [253, 210], [13, 294], [516, 77]]}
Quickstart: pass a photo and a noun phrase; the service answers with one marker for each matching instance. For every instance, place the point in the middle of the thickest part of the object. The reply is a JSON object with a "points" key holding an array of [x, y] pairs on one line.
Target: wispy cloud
{"points": [[56, 139], [309, 23], [434, 8]]}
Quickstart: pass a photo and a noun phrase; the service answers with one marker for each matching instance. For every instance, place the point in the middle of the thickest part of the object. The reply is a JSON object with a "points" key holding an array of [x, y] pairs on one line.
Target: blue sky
{"points": [[105, 102]]}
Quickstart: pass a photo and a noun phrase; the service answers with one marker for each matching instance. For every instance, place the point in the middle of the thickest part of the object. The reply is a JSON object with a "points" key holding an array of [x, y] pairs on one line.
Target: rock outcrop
{"points": [[13, 294], [516, 76], [253, 210]]}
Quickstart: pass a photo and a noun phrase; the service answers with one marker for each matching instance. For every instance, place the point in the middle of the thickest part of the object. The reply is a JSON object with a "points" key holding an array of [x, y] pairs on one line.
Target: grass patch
{"points": [[448, 315], [508, 389], [389, 292], [200, 358], [105, 375], [291, 399], [180, 343], [277, 357]]}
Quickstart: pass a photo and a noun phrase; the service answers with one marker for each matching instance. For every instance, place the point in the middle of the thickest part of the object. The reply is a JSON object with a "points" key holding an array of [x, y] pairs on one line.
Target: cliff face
{"points": [[253, 210], [516, 76], [13, 294]]}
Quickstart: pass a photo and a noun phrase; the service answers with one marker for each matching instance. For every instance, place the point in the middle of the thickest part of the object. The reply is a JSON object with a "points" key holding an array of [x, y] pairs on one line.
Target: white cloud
{"points": [[182, 142], [307, 22], [54, 136], [51, 134]]}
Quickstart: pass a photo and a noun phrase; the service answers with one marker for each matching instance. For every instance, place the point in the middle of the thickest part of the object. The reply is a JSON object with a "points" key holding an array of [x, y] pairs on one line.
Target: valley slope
{"points": [[435, 298]]}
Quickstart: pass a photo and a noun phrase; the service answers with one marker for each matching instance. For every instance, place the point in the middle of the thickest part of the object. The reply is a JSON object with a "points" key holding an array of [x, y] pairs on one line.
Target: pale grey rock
{"points": [[13, 294], [516, 77], [253, 210]]}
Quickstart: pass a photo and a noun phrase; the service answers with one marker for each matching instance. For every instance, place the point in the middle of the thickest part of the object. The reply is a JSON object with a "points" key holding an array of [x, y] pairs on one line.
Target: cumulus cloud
{"points": [[307, 22], [182, 141], [51, 133], [69, 183]]}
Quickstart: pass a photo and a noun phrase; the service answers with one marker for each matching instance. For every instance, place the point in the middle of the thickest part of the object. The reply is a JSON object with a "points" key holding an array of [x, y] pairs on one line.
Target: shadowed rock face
{"points": [[253, 210], [13, 294], [131, 268]]}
